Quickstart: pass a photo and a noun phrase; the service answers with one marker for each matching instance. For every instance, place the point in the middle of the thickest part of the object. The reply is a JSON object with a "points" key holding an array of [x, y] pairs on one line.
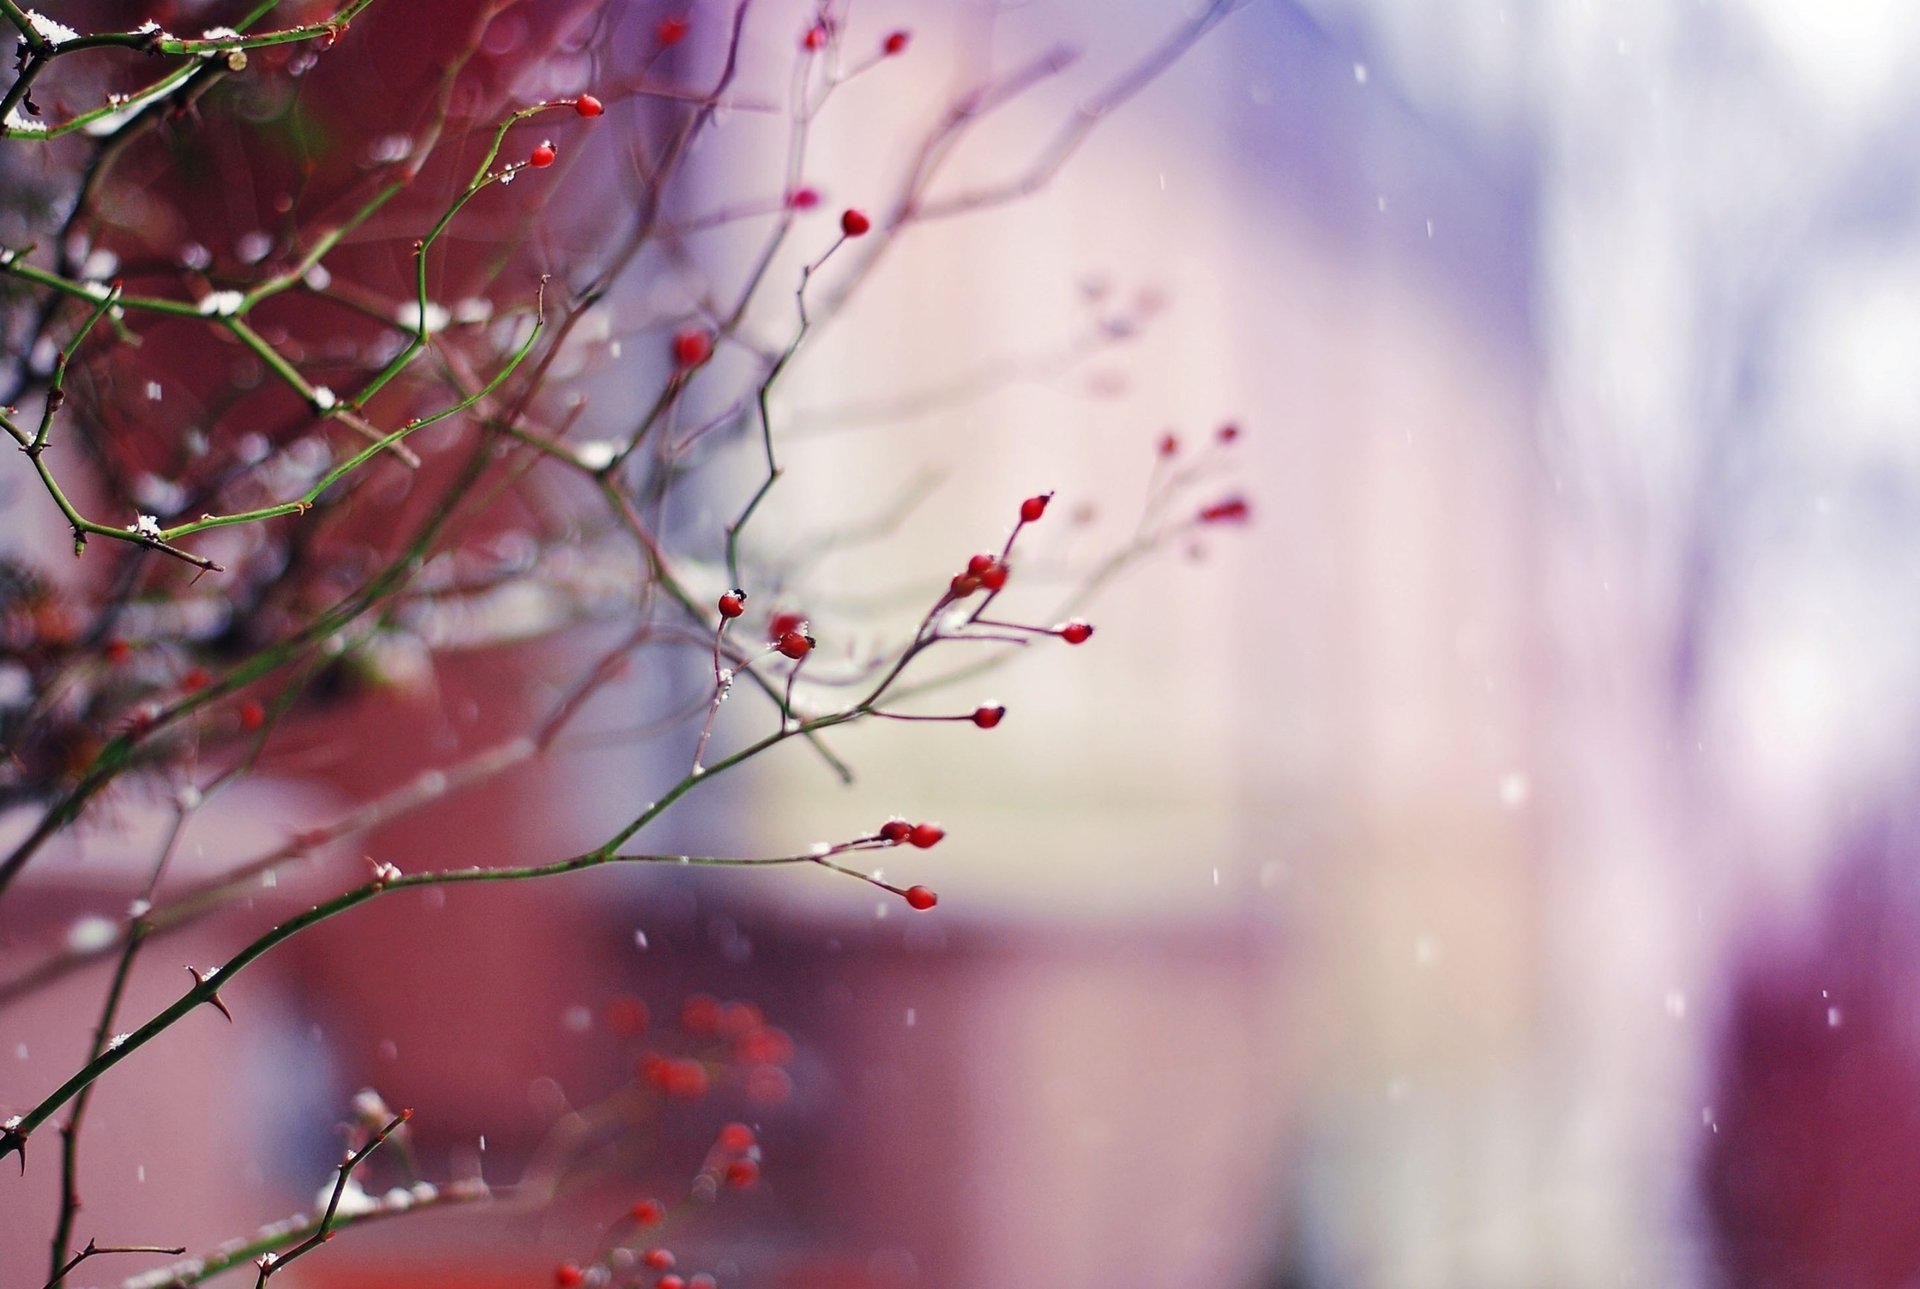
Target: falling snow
{"points": [[91, 933]]}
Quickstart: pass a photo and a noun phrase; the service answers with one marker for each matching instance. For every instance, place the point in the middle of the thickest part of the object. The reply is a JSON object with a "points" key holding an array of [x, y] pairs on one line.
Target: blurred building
{"points": [[1488, 868]]}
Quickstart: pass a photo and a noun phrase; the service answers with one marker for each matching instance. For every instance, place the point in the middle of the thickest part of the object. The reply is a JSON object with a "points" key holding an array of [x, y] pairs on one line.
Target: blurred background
{"points": [[1494, 866]]}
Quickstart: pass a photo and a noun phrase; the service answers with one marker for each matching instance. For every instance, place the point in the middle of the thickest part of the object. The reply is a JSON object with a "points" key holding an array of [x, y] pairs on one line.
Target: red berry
{"points": [[195, 680], [733, 604], [670, 32], [736, 1137], [686, 1079], [768, 1045], [588, 105], [803, 199], [658, 1259], [925, 835], [670, 1281], [996, 577], [816, 37], [795, 645], [769, 1085], [542, 156], [963, 585], [1169, 444], [1033, 507], [895, 830], [118, 650], [1076, 632], [895, 43], [781, 623], [1231, 510], [742, 1173], [1228, 432], [691, 347], [252, 715], [738, 1018], [647, 1212], [988, 717], [980, 564], [920, 897], [627, 1017], [567, 1274], [854, 223], [700, 1014]]}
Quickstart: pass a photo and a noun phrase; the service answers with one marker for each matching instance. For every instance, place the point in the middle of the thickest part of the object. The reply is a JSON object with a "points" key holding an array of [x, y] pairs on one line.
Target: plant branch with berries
{"points": [[279, 455]]}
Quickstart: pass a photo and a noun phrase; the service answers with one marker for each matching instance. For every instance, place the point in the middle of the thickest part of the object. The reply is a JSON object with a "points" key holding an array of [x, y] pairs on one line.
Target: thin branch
{"points": [[95, 1250]]}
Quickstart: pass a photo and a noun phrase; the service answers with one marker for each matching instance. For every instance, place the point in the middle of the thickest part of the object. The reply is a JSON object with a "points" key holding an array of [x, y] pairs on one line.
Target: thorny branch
{"points": [[478, 387]]}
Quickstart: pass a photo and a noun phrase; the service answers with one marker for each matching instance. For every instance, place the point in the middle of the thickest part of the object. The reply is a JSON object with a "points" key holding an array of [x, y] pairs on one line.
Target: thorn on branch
{"points": [[11, 1140], [200, 982]]}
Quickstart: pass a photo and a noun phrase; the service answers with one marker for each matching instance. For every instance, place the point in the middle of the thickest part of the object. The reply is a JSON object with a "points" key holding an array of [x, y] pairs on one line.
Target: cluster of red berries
{"points": [[735, 1157], [545, 153], [788, 636], [735, 1031], [897, 832], [922, 835], [739, 1046], [568, 1274], [983, 572], [681, 1077], [786, 632]]}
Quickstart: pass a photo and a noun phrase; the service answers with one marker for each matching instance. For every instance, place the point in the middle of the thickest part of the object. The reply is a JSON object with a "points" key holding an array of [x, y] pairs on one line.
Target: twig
{"points": [[270, 1263], [95, 1250]]}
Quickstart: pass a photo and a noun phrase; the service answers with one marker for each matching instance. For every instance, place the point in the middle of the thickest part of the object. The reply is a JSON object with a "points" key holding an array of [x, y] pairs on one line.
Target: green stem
{"points": [[208, 985]]}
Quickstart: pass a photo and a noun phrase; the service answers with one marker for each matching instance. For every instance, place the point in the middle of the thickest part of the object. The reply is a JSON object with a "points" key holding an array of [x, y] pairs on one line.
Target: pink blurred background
{"points": [[1491, 868]]}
